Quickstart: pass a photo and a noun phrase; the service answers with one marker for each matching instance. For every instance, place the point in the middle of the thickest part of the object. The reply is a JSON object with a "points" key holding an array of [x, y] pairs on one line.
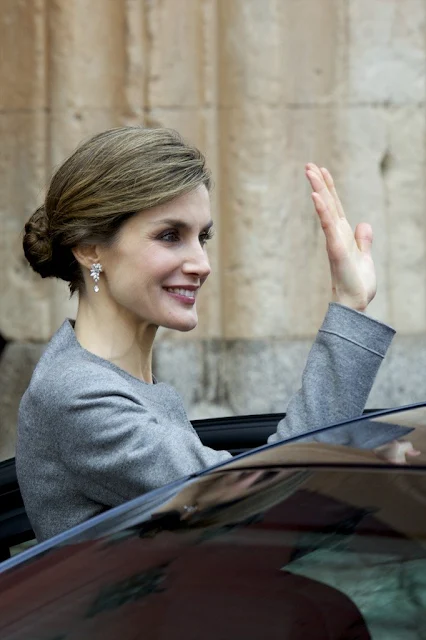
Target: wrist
{"points": [[357, 304]]}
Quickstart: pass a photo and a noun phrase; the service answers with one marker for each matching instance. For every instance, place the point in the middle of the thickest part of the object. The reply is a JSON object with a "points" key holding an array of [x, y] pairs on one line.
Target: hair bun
{"points": [[37, 243]]}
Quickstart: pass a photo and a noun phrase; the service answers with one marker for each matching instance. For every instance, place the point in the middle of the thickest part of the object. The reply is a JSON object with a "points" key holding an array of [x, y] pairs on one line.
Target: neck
{"points": [[117, 336]]}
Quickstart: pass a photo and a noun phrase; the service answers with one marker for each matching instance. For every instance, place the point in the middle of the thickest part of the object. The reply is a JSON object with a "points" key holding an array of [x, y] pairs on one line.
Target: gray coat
{"points": [[91, 436]]}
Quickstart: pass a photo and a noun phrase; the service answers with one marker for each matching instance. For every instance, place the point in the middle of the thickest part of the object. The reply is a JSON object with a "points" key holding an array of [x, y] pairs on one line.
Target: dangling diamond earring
{"points": [[94, 272]]}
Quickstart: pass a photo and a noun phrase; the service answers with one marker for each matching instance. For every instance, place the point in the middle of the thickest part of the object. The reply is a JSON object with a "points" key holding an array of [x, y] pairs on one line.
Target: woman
{"points": [[126, 223]]}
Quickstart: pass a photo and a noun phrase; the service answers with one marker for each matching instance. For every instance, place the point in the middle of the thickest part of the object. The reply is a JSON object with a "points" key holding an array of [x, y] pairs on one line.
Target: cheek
{"points": [[141, 269], [158, 264]]}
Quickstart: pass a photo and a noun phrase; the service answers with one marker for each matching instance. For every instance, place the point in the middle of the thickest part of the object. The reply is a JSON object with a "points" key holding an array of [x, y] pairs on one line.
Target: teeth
{"points": [[182, 292]]}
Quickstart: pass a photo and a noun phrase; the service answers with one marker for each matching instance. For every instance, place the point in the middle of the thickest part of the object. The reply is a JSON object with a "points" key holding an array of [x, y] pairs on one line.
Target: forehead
{"points": [[191, 208]]}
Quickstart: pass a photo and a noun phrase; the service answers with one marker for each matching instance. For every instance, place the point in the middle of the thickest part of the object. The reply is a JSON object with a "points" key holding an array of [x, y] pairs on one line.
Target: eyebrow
{"points": [[180, 224]]}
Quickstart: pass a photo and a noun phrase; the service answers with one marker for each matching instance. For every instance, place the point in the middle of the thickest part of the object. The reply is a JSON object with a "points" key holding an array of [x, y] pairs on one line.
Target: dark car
{"points": [[296, 540]]}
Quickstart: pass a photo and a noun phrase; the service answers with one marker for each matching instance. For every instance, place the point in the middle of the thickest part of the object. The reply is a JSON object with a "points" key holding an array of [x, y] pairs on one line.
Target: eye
{"points": [[170, 236], [206, 236]]}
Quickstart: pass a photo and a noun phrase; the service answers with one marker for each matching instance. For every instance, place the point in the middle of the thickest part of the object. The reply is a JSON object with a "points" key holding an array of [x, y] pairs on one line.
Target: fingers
{"points": [[332, 189], [322, 184], [364, 237], [318, 183], [397, 452], [328, 224]]}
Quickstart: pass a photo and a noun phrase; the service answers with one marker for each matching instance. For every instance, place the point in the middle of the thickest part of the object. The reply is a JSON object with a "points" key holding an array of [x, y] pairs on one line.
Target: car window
{"points": [[373, 430], [360, 533], [365, 433]]}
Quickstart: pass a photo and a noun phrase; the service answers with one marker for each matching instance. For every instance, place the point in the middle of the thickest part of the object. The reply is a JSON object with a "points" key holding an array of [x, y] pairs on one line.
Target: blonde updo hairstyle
{"points": [[108, 179]]}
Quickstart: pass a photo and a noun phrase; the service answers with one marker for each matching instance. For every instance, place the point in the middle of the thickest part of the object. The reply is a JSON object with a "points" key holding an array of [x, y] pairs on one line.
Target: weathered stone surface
{"points": [[25, 304], [401, 378], [182, 53], [405, 192], [86, 55], [270, 55], [385, 51], [276, 277], [247, 376], [22, 69], [202, 379], [380, 173], [16, 366], [24, 298]]}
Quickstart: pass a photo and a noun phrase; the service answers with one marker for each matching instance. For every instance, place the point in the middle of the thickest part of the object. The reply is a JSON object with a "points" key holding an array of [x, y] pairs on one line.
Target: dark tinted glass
{"points": [[296, 541]]}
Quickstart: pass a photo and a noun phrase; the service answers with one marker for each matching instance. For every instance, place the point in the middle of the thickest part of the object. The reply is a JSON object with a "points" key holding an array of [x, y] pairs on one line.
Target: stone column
{"points": [[24, 297], [24, 306], [276, 113]]}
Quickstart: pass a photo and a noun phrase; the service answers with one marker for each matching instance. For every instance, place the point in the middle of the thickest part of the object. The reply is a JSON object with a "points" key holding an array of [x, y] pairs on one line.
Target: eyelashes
{"points": [[172, 235], [169, 236], [206, 236]]}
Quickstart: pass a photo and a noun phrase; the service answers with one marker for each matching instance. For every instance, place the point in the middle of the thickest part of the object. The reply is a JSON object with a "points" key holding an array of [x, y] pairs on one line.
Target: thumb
{"points": [[364, 237]]}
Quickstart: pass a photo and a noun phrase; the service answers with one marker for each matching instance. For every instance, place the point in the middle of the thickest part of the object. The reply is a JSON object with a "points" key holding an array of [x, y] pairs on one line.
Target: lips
{"points": [[185, 295]]}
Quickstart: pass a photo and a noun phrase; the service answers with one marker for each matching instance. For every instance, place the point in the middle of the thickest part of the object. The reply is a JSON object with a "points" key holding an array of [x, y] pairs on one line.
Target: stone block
{"points": [[380, 179], [86, 54], [22, 59], [385, 51], [202, 381], [262, 375], [401, 378], [182, 52], [250, 52], [272, 53], [276, 281], [404, 185], [380, 171], [69, 128], [238, 377], [25, 307], [16, 367]]}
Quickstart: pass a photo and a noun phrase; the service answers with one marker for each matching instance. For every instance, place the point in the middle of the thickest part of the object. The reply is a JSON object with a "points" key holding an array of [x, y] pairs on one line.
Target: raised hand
{"points": [[353, 276]]}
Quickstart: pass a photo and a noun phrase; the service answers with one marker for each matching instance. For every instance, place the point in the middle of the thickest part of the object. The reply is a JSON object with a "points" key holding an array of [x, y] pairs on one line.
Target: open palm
{"points": [[353, 275]]}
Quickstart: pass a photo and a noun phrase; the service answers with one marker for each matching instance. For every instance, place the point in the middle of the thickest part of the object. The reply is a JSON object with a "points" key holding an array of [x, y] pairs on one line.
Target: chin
{"points": [[185, 327], [181, 325]]}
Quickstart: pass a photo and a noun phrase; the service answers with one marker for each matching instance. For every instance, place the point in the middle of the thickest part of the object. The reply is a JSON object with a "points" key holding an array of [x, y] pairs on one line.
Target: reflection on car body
{"points": [[297, 540]]}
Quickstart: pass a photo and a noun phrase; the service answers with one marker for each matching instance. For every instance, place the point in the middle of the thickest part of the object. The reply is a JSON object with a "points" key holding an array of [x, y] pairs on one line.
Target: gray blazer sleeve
{"points": [[339, 373]]}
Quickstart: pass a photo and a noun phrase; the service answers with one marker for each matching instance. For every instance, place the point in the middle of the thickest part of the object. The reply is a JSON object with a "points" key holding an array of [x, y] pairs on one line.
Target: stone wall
{"points": [[262, 86]]}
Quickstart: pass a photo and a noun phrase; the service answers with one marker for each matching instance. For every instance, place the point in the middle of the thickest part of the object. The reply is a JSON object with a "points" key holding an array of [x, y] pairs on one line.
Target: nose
{"points": [[197, 263]]}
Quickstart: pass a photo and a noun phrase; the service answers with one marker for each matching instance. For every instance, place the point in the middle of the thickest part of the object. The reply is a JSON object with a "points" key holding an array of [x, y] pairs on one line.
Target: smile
{"points": [[184, 295]]}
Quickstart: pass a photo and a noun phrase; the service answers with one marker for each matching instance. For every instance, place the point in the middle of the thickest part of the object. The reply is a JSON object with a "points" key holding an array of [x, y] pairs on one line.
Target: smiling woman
{"points": [[151, 275], [126, 222]]}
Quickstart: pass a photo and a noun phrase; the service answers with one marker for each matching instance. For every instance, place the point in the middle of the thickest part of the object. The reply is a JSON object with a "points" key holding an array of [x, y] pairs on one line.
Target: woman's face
{"points": [[158, 262]]}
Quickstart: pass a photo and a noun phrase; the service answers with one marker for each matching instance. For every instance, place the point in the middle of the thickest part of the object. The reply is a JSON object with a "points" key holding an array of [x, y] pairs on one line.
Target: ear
{"points": [[86, 255]]}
